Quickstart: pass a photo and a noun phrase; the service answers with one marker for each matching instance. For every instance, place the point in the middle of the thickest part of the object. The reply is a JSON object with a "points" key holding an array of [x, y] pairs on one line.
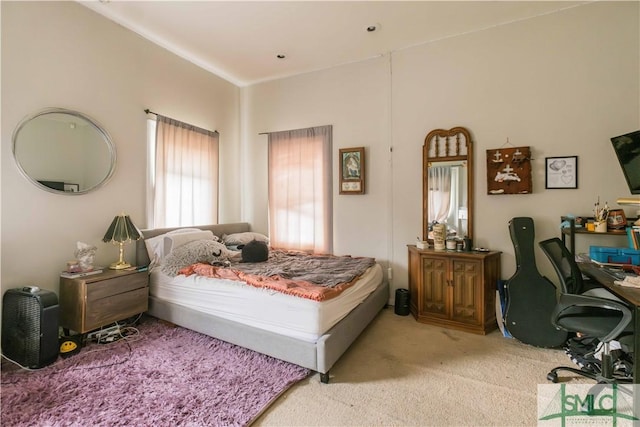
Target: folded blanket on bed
{"points": [[316, 277]]}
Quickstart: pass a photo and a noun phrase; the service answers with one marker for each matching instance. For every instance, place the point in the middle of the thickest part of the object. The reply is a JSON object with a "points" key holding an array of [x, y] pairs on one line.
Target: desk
{"points": [[627, 294]]}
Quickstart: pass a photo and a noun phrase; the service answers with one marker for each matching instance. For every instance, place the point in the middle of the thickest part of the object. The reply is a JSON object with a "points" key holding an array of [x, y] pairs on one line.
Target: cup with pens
{"points": [[600, 215]]}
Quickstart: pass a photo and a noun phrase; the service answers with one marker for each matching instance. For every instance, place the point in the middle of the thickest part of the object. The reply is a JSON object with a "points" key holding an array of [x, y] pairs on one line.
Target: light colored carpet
{"points": [[403, 373]]}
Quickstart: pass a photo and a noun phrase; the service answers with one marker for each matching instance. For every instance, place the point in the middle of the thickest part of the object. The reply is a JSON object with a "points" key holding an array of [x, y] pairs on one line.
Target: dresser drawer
{"points": [[114, 286], [116, 307]]}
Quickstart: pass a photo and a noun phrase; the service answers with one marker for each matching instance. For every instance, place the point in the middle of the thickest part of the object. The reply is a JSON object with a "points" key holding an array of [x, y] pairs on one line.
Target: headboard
{"points": [[142, 257]]}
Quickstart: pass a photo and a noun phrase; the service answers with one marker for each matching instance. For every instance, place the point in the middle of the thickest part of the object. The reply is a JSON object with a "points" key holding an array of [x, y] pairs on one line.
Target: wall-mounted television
{"points": [[627, 148]]}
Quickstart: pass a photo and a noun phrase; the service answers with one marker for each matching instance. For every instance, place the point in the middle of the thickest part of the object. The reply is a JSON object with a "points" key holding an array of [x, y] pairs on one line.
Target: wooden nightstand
{"points": [[89, 302]]}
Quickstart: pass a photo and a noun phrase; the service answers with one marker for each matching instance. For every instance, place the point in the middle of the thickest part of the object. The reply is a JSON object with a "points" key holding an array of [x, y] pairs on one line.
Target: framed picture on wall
{"points": [[616, 219], [561, 172], [71, 188], [352, 170]]}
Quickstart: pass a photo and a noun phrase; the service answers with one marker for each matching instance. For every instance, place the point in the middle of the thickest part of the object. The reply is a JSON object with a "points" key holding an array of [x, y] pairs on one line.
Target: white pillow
{"points": [[172, 241], [155, 248], [155, 245], [243, 238]]}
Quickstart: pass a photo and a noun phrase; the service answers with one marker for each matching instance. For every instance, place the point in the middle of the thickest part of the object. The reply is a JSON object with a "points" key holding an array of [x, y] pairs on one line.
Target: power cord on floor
{"points": [[111, 333], [126, 334], [26, 368]]}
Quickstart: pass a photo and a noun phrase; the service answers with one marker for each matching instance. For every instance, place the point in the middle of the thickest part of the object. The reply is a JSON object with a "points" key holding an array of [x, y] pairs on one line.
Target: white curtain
{"points": [[300, 189], [185, 179], [439, 193]]}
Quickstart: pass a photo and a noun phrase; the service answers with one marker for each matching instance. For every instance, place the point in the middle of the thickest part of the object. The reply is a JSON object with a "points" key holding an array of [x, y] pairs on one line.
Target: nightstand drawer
{"points": [[116, 307], [117, 285]]}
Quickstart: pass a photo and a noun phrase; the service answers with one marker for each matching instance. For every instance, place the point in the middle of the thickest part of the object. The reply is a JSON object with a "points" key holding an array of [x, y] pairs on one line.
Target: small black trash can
{"points": [[402, 302]]}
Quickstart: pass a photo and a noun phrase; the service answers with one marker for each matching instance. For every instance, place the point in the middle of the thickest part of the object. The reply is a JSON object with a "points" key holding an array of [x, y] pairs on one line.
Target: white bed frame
{"points": [[319, 356]]}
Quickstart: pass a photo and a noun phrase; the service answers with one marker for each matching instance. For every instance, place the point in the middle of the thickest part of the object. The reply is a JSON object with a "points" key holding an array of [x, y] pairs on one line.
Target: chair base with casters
{"points": [[605, 376], [605, 319]]}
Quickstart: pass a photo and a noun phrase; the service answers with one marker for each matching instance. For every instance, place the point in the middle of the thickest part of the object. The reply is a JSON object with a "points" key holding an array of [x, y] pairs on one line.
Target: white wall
{"points": [[61, 54], [562, 84], [354, 101]]}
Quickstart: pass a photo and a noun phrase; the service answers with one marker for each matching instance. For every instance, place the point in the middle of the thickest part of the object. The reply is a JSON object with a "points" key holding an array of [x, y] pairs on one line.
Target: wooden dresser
{"points": [[454, 289]]}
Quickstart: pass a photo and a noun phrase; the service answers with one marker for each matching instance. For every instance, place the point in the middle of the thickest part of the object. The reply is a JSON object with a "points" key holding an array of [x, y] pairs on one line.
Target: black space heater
{"points": [[30, 326]]}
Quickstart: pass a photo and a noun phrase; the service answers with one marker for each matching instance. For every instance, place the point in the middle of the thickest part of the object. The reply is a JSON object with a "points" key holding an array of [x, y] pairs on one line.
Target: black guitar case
{"points": [[531, 297]]}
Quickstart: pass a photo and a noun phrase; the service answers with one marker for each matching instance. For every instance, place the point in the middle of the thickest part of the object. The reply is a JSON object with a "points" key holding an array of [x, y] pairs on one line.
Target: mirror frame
{"points": [[101, 131], [454, 150]]}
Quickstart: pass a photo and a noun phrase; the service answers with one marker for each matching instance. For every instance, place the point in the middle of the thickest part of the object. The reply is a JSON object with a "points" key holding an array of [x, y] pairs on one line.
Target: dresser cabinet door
{"points": [[435, 287], [467, 292]]}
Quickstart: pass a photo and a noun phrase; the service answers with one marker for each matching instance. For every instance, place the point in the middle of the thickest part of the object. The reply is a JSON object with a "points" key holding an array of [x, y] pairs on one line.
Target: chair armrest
{"points": [[567, 301]]}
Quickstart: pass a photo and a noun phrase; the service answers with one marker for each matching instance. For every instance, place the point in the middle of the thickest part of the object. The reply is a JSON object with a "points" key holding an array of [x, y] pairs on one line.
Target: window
{"points": [[183, 174], [439, 193], [446, 200], [300, 189]]}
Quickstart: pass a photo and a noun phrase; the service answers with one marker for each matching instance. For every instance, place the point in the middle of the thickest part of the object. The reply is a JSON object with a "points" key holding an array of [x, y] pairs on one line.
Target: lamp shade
{"points": [[121, 230]]}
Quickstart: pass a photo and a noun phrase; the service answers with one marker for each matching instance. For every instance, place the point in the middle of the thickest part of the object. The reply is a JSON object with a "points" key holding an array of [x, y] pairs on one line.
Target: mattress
{"points": [[273, 311]]}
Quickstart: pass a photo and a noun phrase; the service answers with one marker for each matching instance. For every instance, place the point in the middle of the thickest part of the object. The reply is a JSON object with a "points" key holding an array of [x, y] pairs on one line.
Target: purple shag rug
{"points": [[169, 376]]}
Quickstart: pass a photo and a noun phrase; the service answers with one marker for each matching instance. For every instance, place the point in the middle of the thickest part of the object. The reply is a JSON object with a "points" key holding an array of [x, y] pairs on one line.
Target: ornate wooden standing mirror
{"points": [[447, 182]]}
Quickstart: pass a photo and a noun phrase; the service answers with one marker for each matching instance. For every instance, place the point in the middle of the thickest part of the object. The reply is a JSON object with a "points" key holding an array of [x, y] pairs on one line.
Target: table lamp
{"points": [[121, 231]]}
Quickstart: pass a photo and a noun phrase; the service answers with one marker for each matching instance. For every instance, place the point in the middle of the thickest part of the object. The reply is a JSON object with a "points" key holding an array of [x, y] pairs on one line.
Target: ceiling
{"points": [[240, 40]]}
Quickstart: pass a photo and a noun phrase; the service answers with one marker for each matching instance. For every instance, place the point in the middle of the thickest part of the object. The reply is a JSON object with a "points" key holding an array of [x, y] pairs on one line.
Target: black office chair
{"points": [[565, 265], [593, 313]]}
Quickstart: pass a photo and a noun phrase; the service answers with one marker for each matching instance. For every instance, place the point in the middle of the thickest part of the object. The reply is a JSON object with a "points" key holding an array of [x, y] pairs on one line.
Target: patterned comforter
{"points": [[316, 277]]}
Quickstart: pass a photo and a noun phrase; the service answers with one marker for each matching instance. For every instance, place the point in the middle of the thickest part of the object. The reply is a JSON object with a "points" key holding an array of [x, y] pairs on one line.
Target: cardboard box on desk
{"points": [[609, 255]]}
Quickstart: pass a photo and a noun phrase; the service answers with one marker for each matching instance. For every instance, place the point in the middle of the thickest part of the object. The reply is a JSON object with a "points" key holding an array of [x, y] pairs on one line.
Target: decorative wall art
{"points": [[509, 170], [352, 170], [561, 172]]}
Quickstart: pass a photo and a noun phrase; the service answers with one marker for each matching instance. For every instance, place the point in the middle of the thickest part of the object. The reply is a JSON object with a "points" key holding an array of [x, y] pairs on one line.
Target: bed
{"points": [[311, 347]]}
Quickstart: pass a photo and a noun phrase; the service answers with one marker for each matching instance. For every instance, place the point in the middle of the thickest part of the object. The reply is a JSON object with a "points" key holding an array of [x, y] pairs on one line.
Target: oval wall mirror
{"points": [[447, 182], [63, 151]]}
